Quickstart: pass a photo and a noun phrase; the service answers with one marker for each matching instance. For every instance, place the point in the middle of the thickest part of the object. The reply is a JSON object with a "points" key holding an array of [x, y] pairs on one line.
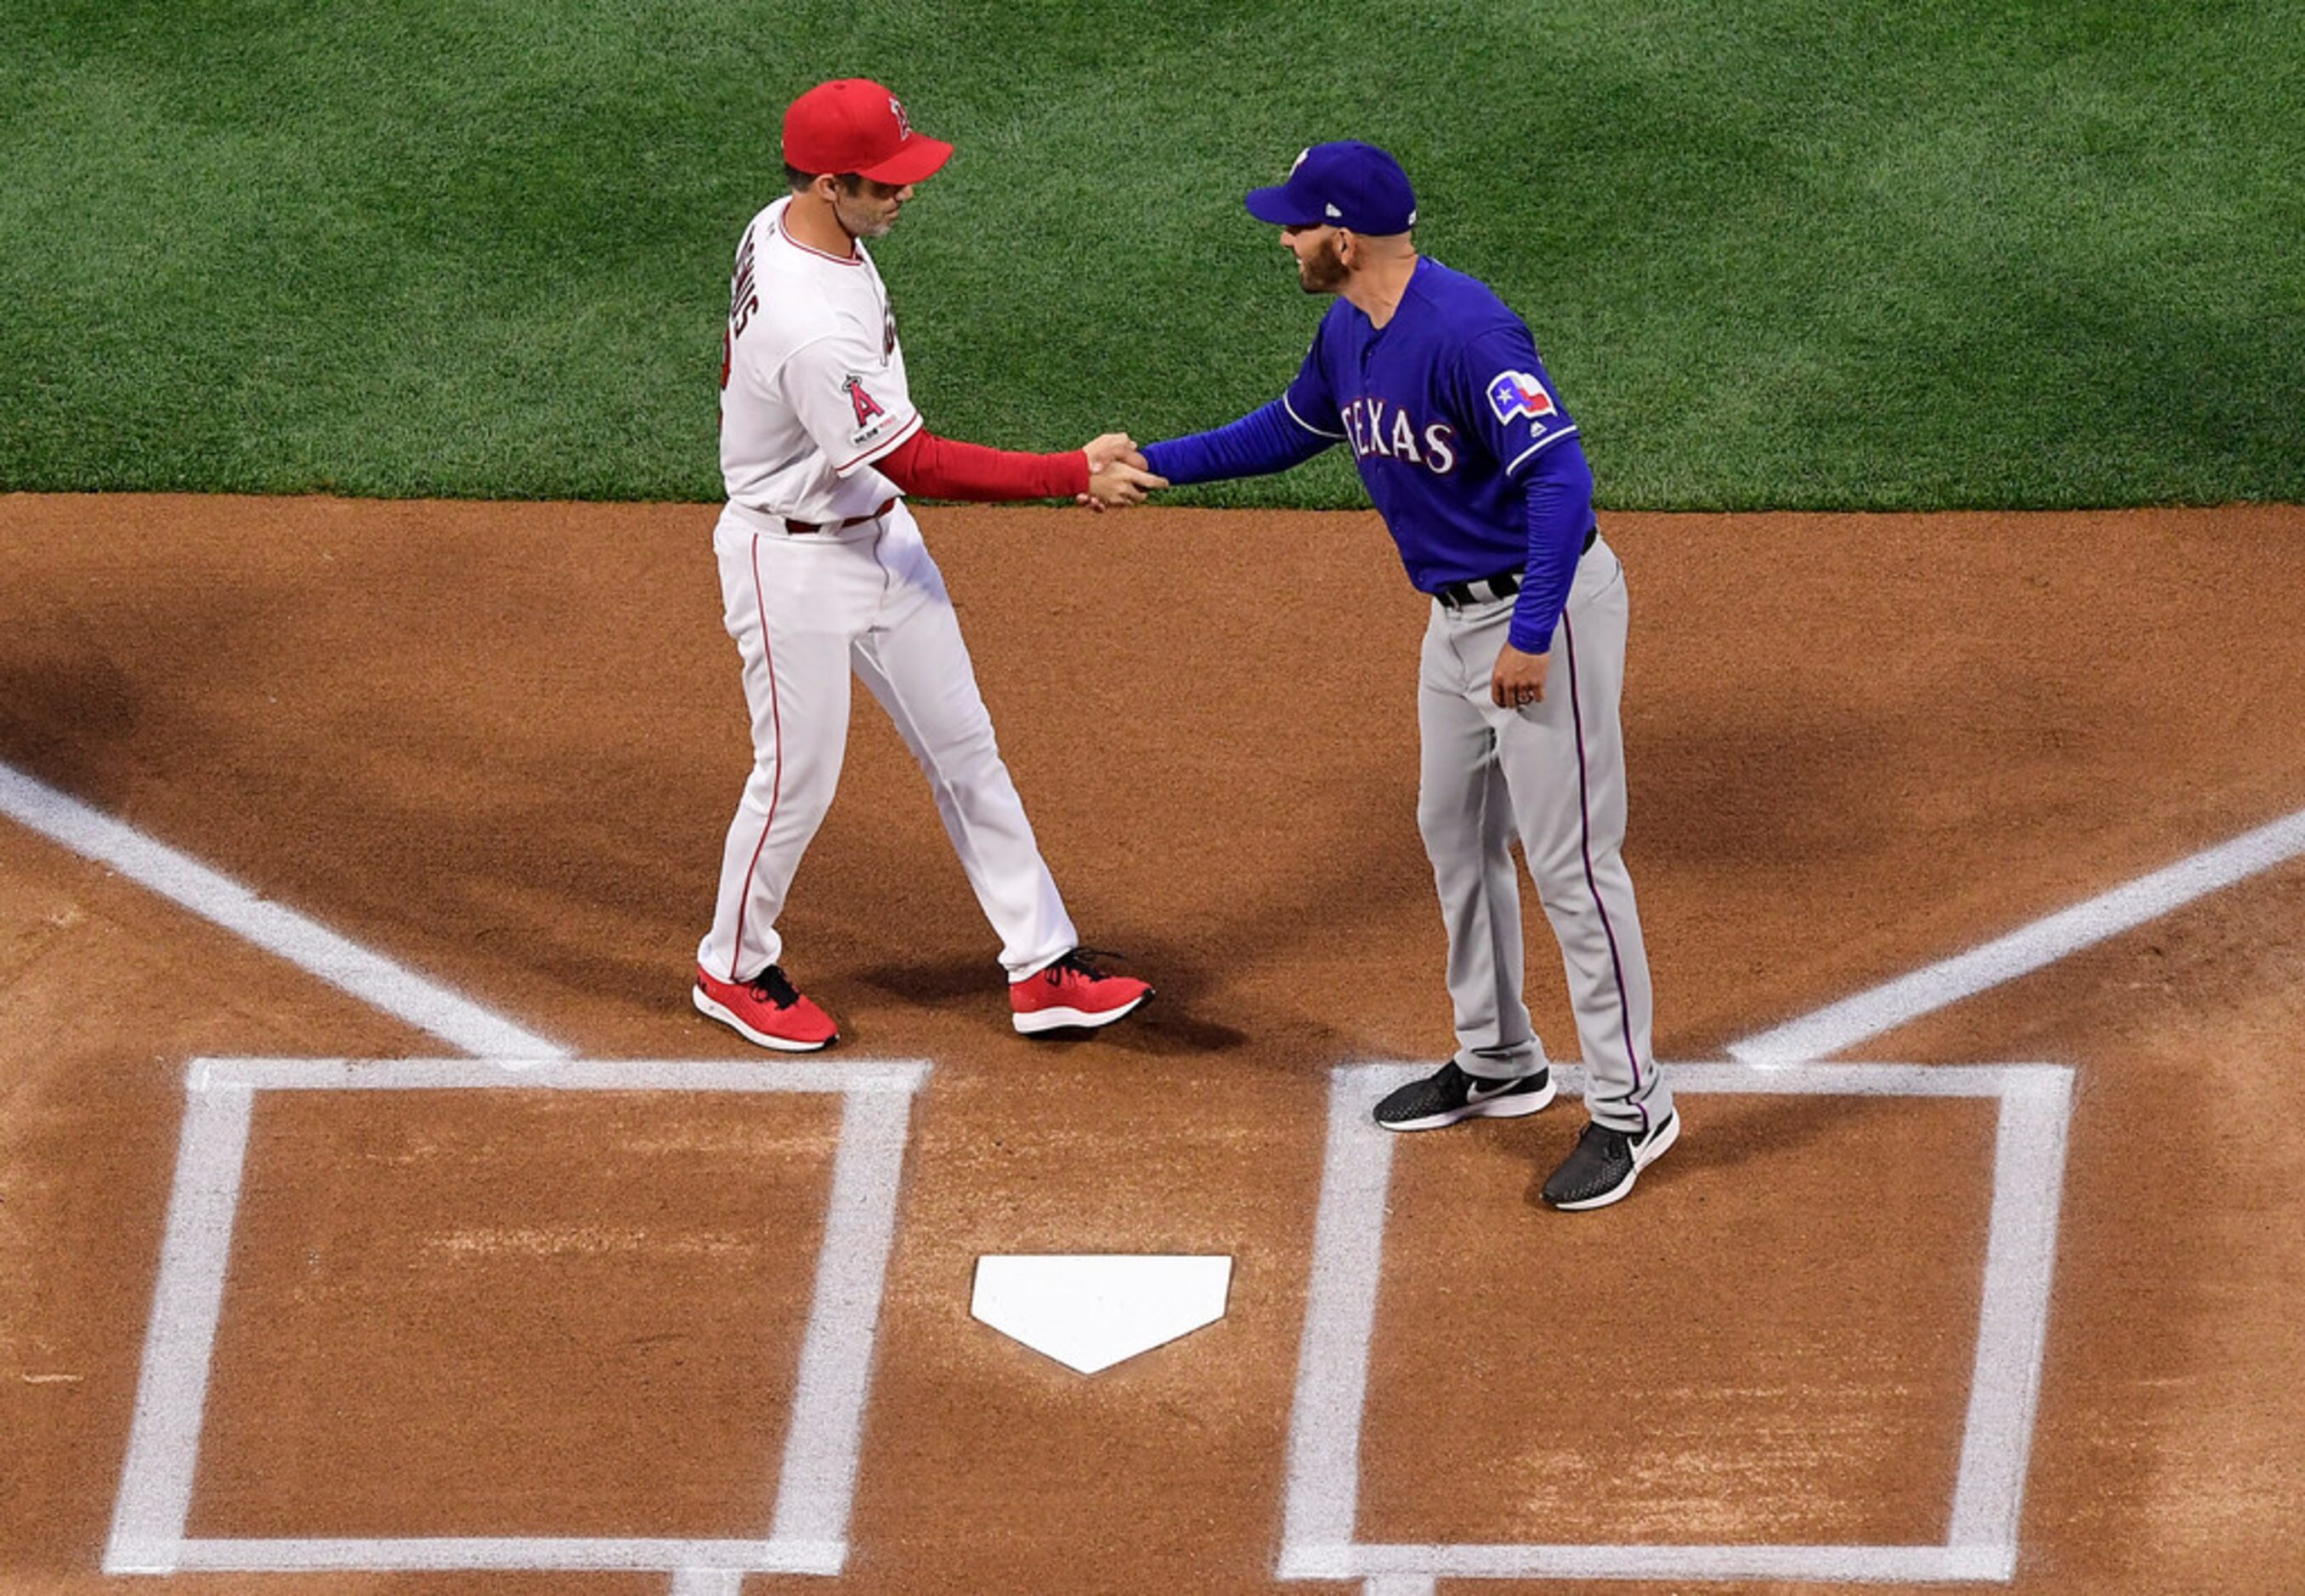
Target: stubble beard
{"points": [[1325, 272], [861, 222]]}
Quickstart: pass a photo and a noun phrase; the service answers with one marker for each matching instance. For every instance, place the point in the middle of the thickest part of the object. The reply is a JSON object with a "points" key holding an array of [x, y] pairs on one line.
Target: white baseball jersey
{"points": [[812, 394], [812, 380]]}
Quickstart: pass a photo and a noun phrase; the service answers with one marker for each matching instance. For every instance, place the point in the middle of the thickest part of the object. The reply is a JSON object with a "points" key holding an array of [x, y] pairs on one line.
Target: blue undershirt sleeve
{"points": [[1261, 442], [1558, 486]]}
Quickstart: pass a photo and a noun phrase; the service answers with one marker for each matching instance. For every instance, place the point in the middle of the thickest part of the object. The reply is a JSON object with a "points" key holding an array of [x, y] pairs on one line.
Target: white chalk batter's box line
{"points": [[817, 1480], [1322, 1508], [816, 1483]]}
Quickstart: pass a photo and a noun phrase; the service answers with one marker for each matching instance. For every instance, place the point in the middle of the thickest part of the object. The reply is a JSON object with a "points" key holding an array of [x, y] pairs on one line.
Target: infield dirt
{"points": [[500, 743]]}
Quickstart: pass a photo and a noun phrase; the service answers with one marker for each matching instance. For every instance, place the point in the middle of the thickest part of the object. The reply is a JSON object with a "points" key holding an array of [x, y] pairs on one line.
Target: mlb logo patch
{"points": [[1517, 394]]}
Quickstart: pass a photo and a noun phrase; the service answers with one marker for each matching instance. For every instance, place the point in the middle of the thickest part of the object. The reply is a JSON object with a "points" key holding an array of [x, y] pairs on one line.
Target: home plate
{"points": [[1089, 1312]]}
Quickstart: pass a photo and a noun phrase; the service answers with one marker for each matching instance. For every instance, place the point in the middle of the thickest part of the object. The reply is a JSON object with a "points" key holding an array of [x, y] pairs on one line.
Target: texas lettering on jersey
{"points": [[1447, 408], [1374, 427]]}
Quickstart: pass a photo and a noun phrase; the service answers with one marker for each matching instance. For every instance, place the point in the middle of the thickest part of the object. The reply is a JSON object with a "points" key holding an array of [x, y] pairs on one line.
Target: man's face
{"points": [[872, 209], [1320, 268]]}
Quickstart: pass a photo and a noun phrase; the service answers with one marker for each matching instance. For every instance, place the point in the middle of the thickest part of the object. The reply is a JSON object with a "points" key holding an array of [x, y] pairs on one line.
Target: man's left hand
{"points": [[1106, 448], [1520, 678]]}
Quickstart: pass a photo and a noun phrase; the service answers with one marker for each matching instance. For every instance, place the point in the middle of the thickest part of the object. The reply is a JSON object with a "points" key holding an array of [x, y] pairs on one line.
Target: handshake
{"points": [[1116, 473]]}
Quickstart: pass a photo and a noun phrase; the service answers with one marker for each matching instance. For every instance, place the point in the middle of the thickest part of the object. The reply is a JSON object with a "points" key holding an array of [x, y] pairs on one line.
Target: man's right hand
{"points": [[1120, 483], [1116, 472]]}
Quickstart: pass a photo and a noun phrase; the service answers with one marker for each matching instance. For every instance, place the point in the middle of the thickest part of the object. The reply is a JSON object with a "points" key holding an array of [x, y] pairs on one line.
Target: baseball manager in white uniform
{"points": [[823, 575]]}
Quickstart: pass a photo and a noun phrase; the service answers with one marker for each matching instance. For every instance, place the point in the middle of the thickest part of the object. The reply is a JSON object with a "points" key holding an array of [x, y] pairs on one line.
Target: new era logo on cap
{"points": [[1346, 184]]}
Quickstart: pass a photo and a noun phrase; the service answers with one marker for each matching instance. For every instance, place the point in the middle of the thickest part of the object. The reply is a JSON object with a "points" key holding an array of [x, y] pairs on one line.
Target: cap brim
{"points": [[1274, 206], [917, 157]]}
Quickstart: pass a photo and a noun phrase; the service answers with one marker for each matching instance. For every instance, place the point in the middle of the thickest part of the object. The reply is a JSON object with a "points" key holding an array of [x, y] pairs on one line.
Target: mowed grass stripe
{"points": [[1777, 255]]}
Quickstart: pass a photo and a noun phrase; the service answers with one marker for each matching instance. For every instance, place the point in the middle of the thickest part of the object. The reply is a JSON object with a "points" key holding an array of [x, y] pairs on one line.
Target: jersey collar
{"points": [[1408, 292], [856, 256]]}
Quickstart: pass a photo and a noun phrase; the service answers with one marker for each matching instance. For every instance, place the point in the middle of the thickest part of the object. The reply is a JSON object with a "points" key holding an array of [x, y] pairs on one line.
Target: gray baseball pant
{"points": [[1552, 773]]}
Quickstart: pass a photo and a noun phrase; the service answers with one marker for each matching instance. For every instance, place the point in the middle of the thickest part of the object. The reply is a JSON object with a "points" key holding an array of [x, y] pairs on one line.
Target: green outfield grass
{"points": [[1792, 253]]}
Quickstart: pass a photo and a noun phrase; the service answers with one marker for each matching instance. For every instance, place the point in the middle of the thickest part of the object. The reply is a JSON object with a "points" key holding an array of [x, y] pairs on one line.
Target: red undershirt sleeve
{"points": [[932, 467]]}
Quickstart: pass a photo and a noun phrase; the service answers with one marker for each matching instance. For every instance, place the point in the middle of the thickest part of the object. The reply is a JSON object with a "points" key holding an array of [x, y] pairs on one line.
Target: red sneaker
{"points": [[766, 1010], [1073, 992]]}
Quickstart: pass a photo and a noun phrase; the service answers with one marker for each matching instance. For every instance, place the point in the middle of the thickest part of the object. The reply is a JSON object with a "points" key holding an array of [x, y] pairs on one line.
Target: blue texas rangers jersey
{"points": [[1446, 407]]}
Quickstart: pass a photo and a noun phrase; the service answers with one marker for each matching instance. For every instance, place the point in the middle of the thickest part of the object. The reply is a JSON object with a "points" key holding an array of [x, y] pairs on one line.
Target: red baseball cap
{"points": [[853, 124]]}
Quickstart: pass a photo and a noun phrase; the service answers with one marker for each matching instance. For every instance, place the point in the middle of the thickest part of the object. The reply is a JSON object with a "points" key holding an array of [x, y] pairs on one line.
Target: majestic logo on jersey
{"points": [[887, 331], [867, 407], [1377, 427], [904, 122], [1517, 394]]}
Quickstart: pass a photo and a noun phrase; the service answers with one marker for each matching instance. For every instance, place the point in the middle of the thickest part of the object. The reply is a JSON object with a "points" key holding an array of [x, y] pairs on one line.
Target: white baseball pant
{"points": [[807, 610]]}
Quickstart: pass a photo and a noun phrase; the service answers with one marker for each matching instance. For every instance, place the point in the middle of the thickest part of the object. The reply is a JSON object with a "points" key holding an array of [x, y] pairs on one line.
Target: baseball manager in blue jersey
{"points": [[1474, 463]]}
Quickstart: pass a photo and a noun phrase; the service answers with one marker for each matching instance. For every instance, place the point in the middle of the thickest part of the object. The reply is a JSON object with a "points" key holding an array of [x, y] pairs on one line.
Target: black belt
{"points": [[802, 527], [1504, 584]]}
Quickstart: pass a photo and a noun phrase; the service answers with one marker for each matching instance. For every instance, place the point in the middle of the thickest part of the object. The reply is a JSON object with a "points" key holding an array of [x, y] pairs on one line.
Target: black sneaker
{"points": [[1449, 1094], [1602, 1168]]}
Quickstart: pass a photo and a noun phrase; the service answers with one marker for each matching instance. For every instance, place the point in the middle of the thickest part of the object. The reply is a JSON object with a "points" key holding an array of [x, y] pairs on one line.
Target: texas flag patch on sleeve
{"points": [[1517, 394]]}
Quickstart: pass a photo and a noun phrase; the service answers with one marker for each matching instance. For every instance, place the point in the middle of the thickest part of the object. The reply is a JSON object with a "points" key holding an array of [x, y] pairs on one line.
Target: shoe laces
{"points": [[1599, 1135], [772, 984], [1077, 961]]}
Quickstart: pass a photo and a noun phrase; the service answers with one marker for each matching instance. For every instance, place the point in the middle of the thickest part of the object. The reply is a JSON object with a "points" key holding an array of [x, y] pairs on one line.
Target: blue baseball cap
{"points": [[1345, 185]]}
